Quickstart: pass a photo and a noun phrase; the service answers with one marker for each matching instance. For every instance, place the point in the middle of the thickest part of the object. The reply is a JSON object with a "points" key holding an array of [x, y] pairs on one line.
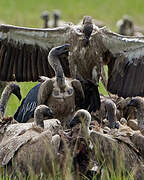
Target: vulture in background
{"points": [[127, 27], [24, 51], [55, 22]]}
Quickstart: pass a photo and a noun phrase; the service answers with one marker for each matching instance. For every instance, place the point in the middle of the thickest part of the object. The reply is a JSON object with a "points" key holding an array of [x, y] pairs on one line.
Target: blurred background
{"points": [[28, 12]]}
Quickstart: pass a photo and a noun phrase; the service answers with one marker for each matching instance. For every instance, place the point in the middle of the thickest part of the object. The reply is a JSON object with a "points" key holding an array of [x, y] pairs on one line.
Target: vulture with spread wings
{"points": [[24, 51]]}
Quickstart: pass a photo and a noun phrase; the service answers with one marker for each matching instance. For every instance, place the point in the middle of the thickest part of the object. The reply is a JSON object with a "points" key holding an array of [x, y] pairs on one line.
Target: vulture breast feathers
{"points": [[23, 55]]}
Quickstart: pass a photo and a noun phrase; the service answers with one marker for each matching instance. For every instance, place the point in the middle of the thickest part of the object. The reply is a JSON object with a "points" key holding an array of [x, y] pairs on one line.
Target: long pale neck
{"points": [[140, 117], [56, 65], [38, 119], [55, 22], [85, 132], [5, 96], [46, 23]]}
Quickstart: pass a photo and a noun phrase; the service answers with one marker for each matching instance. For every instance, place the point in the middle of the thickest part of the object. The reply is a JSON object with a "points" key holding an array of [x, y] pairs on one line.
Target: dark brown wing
{"points": [[126, 66], [79, 93], [24, 51]]}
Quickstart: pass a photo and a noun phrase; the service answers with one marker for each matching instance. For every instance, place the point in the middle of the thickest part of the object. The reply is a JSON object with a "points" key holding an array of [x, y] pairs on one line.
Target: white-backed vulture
{"points": [[118, 151], [61, 94], [33, 150], [23, 55], [42, 114], [138, 103], [127, 27]]}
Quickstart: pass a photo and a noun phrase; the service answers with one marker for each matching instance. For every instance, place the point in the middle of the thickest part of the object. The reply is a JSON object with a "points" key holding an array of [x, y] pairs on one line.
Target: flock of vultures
{"points": [[64, 126]]}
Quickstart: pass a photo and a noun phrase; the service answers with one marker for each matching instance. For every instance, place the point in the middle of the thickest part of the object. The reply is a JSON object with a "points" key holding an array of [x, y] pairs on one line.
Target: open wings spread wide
{"points": [[23, 56], [126, 68], [24, 51]]}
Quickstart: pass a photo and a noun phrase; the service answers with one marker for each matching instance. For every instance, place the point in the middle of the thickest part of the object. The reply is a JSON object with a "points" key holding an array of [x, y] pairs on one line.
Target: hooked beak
{"points": [[17, 93], [74, 121], [64, 49], [51, 114], [130, 103]]}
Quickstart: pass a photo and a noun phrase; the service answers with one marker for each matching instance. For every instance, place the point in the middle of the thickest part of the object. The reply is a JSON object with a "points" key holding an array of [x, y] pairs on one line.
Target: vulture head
{"points": [[15, 89], [54, 61], [82, 117], [40, 113], [137, 102], [87, 28], [45, 15]]}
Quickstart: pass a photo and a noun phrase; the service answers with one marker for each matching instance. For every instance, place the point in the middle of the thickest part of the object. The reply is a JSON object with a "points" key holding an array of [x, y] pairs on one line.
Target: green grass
{"points": [[27, 13]]}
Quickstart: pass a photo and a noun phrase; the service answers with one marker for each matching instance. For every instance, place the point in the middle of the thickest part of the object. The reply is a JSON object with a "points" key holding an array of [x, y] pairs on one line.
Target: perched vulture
{"points": [[61, 94], [23, 56]]}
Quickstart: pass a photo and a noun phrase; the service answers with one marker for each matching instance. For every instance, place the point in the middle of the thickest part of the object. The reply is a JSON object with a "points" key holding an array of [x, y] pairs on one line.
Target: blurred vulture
{"points": [[23, 55], [52, 23], [127, 27]]}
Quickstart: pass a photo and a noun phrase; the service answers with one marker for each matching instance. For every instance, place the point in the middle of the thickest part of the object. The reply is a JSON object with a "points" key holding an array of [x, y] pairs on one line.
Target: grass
{"points": [[27, 12]]}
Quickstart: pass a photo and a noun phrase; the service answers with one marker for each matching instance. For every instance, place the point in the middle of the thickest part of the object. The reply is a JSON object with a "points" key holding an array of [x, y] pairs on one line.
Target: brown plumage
{"points": [[123, 55], [108, 111], [138, 103], [115, 150], [42, 118], [34, 150]]}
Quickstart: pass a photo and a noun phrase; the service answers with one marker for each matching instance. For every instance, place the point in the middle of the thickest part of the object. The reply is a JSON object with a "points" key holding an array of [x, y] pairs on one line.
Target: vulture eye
{"points": [[70, 91]]}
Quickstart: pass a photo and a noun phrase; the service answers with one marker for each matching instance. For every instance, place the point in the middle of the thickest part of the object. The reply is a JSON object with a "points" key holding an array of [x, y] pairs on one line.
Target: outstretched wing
{"points": [[24, 51], [126, 63]]}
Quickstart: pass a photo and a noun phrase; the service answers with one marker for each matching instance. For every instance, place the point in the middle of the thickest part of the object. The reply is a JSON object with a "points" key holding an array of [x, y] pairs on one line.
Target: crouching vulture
{"points": [[23, 55]]}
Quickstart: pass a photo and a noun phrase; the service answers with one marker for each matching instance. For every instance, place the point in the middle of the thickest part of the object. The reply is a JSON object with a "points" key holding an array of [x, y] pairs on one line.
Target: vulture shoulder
{"points": [[45, 90], [10, 147], [79, 93]]}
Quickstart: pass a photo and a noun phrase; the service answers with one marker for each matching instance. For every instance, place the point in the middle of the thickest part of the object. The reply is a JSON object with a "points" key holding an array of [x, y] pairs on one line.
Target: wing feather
{"points": [[39, 63], [16, 62], [29, 67], [24, 43], [33, 63], [19, 66], [126, 71], [2, 55], [25, 64], [5, 64], [10, 67]]}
